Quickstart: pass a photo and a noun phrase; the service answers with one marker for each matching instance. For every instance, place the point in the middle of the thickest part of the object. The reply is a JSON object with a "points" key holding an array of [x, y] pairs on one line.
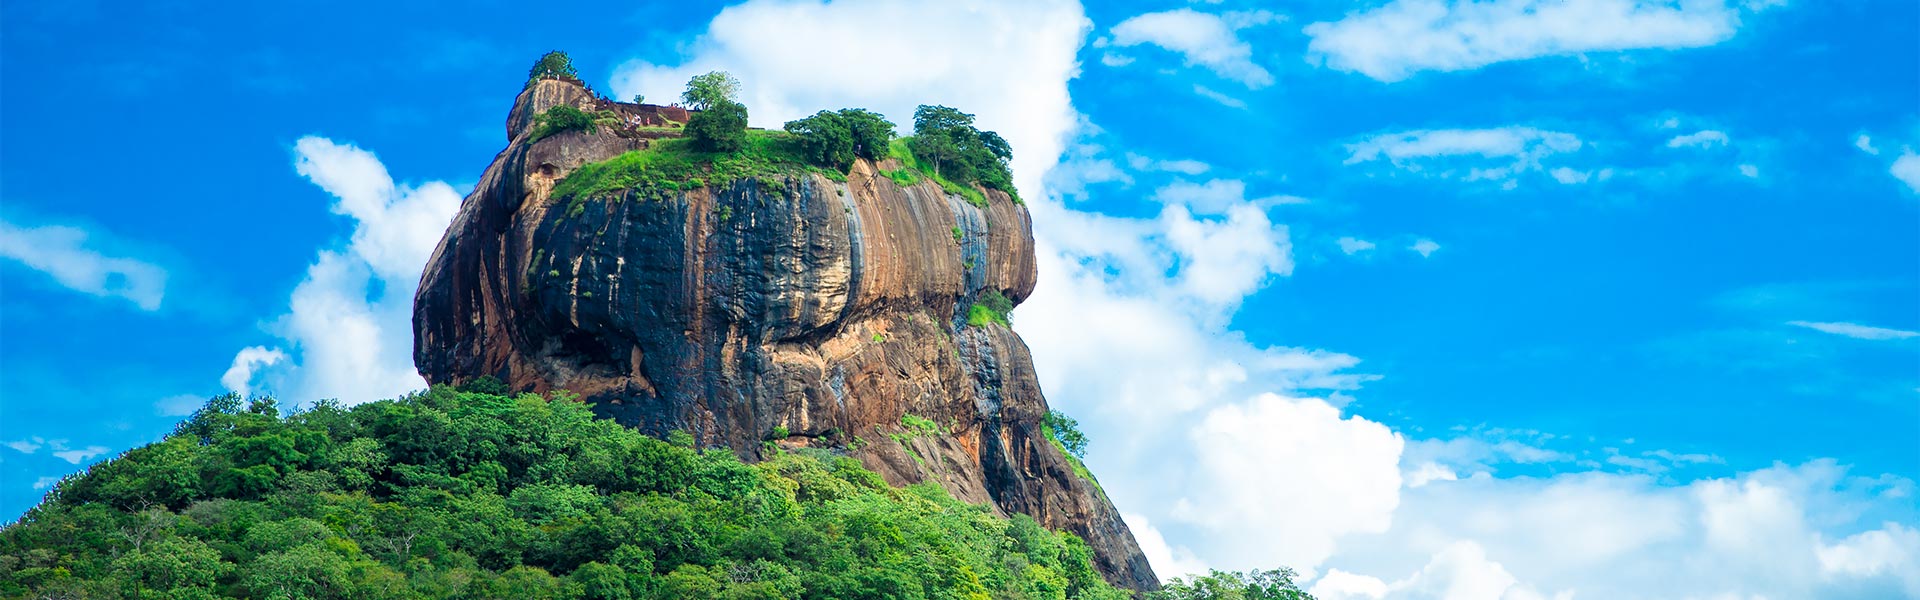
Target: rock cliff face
{"points": [[826, 310]]}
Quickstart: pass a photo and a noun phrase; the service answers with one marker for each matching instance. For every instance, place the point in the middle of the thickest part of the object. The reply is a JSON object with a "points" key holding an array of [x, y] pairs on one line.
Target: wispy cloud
{"points": [[1184, 166], [66, 254], [1352, 245], [1425, 247], [1203, 39], [1223, 99], [1404, 37], [79, 455], [1491, 143], [1706, 138], [179, 405], [27, 446], [1865, 144], [1857, 331], [58, 448], [1492, 154]]}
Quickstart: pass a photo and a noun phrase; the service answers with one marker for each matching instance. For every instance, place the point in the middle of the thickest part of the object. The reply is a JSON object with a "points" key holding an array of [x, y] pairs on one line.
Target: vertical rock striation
{"points": [[827, 310]]}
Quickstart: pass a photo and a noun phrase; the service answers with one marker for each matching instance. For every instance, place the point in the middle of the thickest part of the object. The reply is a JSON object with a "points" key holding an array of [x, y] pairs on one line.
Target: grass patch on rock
{"points": [[668, 167]]}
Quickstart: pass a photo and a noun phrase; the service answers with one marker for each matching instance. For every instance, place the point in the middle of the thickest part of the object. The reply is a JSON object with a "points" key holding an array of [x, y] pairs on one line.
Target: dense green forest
{"points": [[468, 494]]}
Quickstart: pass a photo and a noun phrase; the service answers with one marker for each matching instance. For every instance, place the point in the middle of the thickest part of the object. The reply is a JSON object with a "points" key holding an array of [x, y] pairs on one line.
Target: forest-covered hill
{"points": [[469, 494]]}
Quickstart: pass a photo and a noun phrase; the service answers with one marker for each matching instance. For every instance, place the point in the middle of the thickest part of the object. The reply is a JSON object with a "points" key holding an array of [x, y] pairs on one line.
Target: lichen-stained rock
{"points": [[830, 310]]}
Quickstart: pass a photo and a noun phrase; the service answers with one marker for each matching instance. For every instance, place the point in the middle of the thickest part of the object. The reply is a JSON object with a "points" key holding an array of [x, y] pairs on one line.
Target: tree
{"points": [[721, 127], [1275, 584], [710, 90], [639, 99], [824, 139], [552, 64], [1066, 431], [171, 568], [600, 581], [871, 132], [835, 139], [933, 139], [304, 572], [946, 138], [934, 118]]}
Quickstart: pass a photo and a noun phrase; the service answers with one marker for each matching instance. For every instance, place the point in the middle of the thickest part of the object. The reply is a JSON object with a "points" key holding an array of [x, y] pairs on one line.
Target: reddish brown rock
{"points": [[831, 309]]}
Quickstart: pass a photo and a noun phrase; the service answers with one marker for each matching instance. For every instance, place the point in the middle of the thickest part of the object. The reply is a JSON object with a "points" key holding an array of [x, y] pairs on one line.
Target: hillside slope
{"points": [[450, 494]]}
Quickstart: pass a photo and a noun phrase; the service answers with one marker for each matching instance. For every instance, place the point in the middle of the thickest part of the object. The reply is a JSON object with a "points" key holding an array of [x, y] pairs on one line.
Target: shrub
{"points": [[913, 169], [721, 127], [902, 176], [564, 117], [991, 307]]}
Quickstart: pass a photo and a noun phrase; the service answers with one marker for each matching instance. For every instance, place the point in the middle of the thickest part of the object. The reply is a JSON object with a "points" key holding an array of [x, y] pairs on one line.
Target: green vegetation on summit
{"points": [[552, 64], [718, 147]]}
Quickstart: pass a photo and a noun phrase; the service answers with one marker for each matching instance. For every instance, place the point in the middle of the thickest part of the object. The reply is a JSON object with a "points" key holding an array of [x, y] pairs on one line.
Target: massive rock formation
{"points": [[825, 310]]}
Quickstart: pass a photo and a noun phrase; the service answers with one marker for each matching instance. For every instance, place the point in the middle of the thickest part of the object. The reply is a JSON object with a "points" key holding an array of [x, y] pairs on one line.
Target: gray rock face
{"points": [[832, 309]]}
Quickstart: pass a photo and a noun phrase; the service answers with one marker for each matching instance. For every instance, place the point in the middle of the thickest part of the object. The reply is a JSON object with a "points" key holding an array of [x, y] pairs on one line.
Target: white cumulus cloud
{"points": [[1204, 39], [1763, 533], [239, 377], [1891, 550], [1278, 468], [346, 340], [1404, 37]]}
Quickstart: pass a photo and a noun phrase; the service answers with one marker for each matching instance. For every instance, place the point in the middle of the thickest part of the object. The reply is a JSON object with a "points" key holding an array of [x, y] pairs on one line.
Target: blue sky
{"points": [[1388, 291]]}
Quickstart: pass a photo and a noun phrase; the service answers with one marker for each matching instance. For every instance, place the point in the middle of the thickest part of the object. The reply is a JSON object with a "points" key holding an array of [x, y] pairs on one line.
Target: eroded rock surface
{"points": [[825, 308]]}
